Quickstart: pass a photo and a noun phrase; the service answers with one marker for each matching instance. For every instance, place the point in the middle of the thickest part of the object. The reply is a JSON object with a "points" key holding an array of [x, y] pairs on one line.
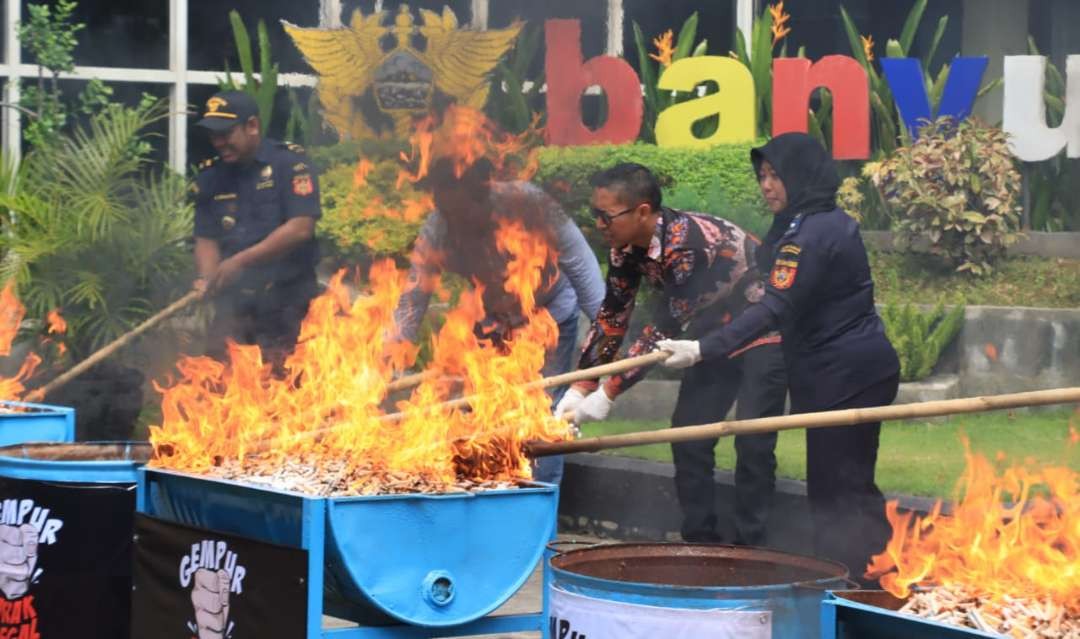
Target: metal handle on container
{"points": [[553, 546]]}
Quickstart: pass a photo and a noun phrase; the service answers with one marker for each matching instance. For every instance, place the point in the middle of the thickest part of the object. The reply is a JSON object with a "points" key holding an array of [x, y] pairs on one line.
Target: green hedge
{"points": [[718, 180]]}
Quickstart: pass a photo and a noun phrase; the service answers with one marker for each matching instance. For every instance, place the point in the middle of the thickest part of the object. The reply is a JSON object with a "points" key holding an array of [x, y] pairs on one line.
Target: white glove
{"points": [[684, 353], [594, 408], [569, 402]]}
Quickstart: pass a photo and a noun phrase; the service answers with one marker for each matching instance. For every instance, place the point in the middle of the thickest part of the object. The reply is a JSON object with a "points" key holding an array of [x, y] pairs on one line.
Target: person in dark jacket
{"points": [[821, 296]]}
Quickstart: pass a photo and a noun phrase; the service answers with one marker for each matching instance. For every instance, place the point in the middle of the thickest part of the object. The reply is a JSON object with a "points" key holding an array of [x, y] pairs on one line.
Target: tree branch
{"points": [[21, 109]]}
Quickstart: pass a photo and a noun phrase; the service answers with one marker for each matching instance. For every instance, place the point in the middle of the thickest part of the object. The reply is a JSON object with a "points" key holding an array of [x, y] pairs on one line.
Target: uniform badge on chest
{"points": [[267, 172], [228, 222]]}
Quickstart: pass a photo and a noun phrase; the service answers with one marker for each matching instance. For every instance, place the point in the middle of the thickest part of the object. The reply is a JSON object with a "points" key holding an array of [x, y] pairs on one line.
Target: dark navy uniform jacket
{"points": [[820, 295], [239, 206]]}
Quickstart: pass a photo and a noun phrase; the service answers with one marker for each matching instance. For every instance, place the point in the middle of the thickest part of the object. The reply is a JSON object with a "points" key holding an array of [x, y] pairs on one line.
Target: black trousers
{"points": [[269, 316], [847, 508], [758, 380]]}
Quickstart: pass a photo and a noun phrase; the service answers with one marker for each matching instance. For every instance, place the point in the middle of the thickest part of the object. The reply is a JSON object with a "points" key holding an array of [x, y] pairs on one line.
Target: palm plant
{"points": [[512, 104], [1055, 205], [768, 31], [94, 229], [669, 49], [265, 88], [887, 128]]}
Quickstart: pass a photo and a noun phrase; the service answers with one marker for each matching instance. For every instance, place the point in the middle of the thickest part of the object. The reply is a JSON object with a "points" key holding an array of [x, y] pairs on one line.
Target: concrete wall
{"points": [[633, 499]]}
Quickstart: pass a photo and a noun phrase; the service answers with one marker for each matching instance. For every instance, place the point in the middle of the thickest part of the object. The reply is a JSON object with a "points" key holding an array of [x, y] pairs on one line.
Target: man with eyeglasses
{"points": [[705, 272]]}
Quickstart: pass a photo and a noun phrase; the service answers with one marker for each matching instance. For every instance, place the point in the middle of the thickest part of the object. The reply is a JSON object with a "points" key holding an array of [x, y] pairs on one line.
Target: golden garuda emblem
{"points": [[374, 78]]}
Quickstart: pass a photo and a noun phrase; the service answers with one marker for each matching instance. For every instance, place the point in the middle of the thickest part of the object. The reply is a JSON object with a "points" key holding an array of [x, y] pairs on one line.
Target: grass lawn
{"points": [[915, 458], [1017, 281]]}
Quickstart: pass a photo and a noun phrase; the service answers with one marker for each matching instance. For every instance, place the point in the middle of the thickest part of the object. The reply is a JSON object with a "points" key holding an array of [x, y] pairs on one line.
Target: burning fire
{"points": [[1014, 535], [466, 135], [327, 408], [12, 313]]}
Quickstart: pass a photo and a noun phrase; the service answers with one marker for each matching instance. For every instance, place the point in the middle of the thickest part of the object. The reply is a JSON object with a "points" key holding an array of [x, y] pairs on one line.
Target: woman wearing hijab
{"points": [[821, 297]]}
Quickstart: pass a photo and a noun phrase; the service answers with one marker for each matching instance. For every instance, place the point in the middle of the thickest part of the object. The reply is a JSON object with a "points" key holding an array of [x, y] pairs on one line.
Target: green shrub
{"points": [[919, 338], [956, 186], [720, 178], [95, 229], [375, 219]]}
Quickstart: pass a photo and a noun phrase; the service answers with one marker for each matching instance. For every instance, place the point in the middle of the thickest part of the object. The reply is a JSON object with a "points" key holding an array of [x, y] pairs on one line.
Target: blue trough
{"points": [[22, 422], [872, 614], [417, 565]]}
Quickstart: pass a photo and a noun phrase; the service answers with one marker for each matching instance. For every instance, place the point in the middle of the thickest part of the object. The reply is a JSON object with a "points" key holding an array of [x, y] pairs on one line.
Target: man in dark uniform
{"points": [[255, 211]]}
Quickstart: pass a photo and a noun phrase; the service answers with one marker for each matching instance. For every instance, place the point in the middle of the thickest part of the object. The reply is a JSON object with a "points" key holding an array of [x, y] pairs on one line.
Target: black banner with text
{"points": [[192, 583], [65, 559]]}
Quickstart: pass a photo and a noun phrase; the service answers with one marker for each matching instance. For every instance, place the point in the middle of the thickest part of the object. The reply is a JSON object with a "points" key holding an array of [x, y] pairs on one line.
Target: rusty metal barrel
{"points": [[66, 516], [688, 591]]}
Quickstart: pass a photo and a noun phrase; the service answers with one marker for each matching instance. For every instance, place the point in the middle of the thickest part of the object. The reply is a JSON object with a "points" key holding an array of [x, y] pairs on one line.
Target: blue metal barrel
{"points": [[66, 517], [778, 594], [22, 422], [430, 560]]}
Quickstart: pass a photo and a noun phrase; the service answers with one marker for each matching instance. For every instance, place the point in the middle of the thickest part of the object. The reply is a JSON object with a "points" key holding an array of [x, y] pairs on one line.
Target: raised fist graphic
{"points": [[18, 557], [210, 596]]}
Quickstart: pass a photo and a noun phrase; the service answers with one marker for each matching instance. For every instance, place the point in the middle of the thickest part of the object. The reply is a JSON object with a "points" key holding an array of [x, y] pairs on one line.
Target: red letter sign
{"points": [[568, 76], [794, 80]]}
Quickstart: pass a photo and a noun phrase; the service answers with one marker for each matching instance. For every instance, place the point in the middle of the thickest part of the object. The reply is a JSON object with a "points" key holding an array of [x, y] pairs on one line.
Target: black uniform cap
{"points": [[227, 109]]}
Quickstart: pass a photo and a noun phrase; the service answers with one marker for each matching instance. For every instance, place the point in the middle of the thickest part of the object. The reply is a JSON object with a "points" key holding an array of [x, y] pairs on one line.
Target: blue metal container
{"points": [[788, 588], [82, 463], [35, 423], [427, 560], [79, 498], [871, 614]]}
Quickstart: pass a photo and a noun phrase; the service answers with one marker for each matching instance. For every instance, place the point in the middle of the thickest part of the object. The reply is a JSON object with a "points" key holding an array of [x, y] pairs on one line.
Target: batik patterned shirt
{"points": [[702, 271]]}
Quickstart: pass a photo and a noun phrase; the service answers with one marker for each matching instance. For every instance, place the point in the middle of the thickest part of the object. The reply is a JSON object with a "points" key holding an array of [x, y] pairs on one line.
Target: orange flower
{"points": [[665, 48], [868, 47], [780, 30]]}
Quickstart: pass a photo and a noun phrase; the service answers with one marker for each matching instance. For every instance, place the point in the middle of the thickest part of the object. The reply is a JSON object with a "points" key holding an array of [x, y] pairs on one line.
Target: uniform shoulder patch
{"points": [[302, 185], [786, 266]]}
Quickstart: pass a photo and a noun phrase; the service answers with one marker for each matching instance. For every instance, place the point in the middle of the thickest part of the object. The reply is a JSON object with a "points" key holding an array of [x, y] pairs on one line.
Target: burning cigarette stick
{"points": [[847, 417]]}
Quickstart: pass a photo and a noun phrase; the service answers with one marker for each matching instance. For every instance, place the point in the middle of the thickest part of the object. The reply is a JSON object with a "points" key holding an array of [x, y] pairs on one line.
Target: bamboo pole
{"points": [[825, 419], [581, 375], [409, 381], [110, 348], [584, 374]]}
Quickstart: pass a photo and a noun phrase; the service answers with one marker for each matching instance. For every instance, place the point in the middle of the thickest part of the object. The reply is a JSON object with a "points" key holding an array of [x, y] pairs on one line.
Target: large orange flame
{"points": [[12, 313], [338, 377], [465, 135], [1012, 534]]}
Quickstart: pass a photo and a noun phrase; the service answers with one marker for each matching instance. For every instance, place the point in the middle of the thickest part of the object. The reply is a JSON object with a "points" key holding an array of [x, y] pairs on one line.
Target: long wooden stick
{"points": [[613, 368], [581, 375], [825, 419], [110, 348]]}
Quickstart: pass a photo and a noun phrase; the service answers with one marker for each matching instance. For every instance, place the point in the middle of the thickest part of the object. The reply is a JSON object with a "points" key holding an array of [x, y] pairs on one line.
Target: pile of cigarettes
{"points": [[1010, 616], [340, 478]]}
